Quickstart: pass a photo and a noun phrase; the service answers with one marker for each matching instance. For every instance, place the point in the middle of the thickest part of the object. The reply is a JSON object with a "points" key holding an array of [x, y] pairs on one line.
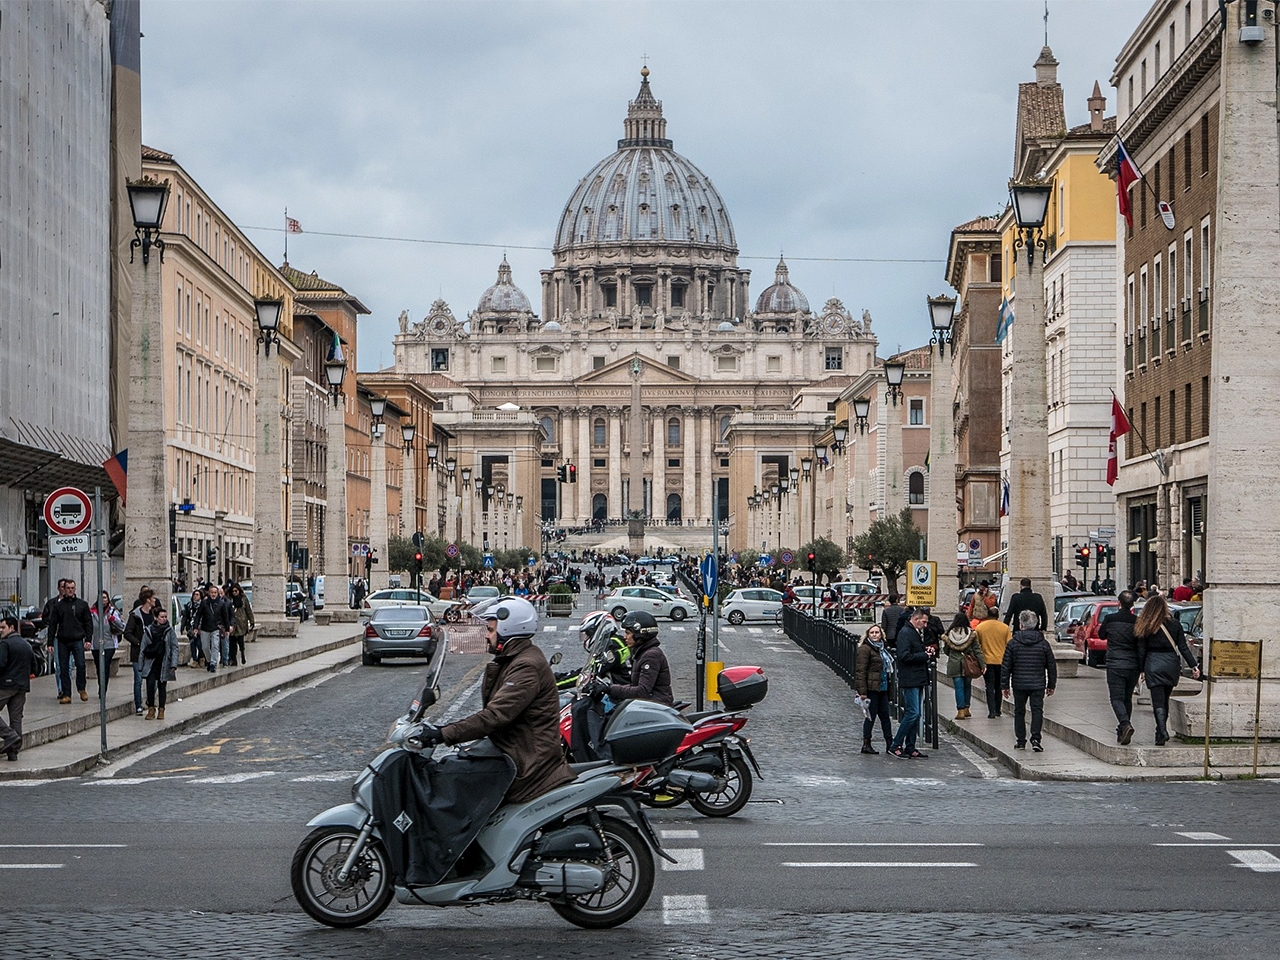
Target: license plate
{"points": [[399, 633]]}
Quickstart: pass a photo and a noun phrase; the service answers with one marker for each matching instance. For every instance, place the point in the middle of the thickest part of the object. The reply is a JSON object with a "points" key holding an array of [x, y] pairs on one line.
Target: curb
{"points": [[77, 767]]}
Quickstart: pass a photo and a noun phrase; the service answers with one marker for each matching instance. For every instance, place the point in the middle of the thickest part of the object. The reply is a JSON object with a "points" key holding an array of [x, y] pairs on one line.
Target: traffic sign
{"points": [[488, 561], [975, 544], [962, 553], [710, 574], [787, 557], [766, 560], [533, 561], [67, 511], [922, 583], [75, 543], [451, 550]]}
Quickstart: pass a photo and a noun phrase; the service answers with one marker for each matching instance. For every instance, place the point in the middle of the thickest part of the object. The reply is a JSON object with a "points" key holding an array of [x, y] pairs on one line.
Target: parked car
{"points": [[320, 592], [805, 596], [851, 588], [450, 611], [626, 600], [479, 594], [751, 603], [401, 631], [1086, 638]]}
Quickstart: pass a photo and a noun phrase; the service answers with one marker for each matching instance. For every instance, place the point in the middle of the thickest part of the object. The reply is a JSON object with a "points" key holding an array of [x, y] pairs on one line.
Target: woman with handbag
{"points": [[965, 661], [1160, 640], [872, 672]]}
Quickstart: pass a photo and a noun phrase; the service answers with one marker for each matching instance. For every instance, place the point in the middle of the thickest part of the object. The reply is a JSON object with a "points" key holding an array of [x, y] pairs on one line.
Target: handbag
{"points": [[970, 665]]}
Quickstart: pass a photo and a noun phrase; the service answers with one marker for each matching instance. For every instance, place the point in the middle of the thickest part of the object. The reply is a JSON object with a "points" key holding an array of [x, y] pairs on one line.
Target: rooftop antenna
{"points": [[1046, 22]]}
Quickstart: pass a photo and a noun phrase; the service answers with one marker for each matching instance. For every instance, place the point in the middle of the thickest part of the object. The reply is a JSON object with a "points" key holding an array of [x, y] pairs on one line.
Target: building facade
{"points": [[646, 351]]}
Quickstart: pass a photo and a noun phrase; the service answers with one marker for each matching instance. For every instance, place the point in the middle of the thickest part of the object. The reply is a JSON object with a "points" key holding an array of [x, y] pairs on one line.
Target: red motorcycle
{"points": [[712, 766]]}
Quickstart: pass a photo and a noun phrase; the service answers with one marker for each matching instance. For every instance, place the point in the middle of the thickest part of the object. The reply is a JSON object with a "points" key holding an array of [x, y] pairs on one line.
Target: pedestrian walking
{"points": [[189, 628], [72, 624], [964, 661], [51, 634], [912, 658], [891, 620], [17, 659], [873, 668], [1160, 639], [159, 662], [211, 621], [107, 627], [241, 622], [1030, 671], [993, 638], [1026, 599], [1124, 665], [140, 618]]}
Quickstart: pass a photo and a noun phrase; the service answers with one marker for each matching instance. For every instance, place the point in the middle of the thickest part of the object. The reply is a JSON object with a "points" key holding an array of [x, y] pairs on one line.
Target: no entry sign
{"points": [[67, 511]]}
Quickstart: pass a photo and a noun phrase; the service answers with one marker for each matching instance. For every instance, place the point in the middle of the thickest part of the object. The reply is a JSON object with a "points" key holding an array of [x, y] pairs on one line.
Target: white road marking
{"points": [[868, 843], [678, 834], [690, 859], [985, 766], [819, 781], [917, 781], [31, 866], [63, 846], [1259, 861], [333, 776], [677, 629], [755, 630], [1203, 836], [25, 783], [127, 781], [874, 863], [549, 628], [1229, 843], [460, 706], [236, 777], [687, 909]]}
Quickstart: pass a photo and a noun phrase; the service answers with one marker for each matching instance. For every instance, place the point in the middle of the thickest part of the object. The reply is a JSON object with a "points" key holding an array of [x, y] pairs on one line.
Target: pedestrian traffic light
{"points": [[573, 473], [562, 474]]}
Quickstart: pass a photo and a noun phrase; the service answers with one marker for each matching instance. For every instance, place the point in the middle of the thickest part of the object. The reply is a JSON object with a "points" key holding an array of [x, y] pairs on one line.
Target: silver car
{"points": [[398, 632]]}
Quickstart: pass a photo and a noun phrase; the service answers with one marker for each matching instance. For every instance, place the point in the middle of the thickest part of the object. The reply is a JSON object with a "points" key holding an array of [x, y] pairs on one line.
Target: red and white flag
{"points": [[1119, 427], [292, 226], [1127, 174]]}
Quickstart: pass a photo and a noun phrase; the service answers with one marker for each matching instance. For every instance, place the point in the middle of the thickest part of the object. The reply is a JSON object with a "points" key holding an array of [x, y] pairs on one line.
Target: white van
{"points": [[320, 592]]}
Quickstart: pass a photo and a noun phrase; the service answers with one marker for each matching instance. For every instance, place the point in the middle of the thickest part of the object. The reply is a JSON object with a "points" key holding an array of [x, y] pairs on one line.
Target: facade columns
{"points": [[706, 458], [892, 475], [616, 507], [566, 494], [378, 576], [944, 523], [432, 522], [688, 463], [268, 508], [585, 427], [335, 516], [658, 485], [409, 494]]}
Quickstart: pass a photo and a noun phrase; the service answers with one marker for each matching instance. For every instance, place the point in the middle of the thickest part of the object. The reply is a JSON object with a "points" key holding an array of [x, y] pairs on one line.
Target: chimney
{"points": [[1097, 106]]}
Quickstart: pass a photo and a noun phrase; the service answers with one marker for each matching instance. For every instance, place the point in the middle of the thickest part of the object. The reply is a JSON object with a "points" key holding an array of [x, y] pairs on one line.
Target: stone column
{"points": [[584, 466], [378, 508], [268, 506], [706, 457], [1164, 565], [659, 461], [616, 507], [1242, 525], [1030, 534], [409, 494], [336, 547], [861, 460], [943, 520], [892, 473], [688, 464], [432, 480], [146, 529], [568, 493]]}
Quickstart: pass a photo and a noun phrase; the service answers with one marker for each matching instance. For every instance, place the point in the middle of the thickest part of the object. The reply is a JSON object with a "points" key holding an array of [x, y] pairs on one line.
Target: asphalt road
{"points": [[184, 850]]}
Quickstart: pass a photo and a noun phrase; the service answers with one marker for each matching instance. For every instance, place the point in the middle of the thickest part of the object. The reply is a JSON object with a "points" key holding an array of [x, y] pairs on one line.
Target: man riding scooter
{"points": [[613, 660], [650, 672]]}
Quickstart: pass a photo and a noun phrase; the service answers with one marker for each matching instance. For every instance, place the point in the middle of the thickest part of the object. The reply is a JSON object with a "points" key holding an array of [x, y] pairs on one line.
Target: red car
{"points": [[1086, 638]]}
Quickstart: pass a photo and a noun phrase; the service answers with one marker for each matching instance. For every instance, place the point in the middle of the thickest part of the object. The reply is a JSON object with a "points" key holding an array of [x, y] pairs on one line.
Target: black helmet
{"points": [[642, 624]]}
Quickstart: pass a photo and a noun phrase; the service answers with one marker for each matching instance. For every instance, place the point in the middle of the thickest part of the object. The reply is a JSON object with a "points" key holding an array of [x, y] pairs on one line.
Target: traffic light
{"points": [[212, 555], [562, 473], [173, 529], [811, 561], [1101, 555], [1082, 557], [573, 473], [417, 570], [417, 560]]}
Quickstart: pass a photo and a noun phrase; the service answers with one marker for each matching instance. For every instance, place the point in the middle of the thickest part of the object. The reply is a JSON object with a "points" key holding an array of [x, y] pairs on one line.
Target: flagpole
{"points": [[286, 234], [1133, 426]]}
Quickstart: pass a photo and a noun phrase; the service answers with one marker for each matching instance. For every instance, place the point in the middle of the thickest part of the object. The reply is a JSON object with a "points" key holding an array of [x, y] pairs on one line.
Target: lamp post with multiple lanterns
{"points": [[336, 547], [378, 575], [943, 526], [894, 372]]}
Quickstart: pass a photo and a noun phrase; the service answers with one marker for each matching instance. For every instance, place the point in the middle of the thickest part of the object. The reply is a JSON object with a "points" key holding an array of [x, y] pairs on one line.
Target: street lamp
{"points": [[806, 465], [795, 475], [433, 451], [861, 409], [148, 199], [894, 371], [377, 407], [268, 316], [450, 465], [1030, 204], [407, 432], [466, 478], [335, 370], [840, 431], [942, 311]]}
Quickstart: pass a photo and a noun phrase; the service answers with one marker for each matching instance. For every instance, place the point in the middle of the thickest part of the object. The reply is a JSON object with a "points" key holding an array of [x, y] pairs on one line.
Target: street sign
{"points": [[766, 560], [451, 551], [710, 574], [67, 511], [787, 557], [962, 553], [975, 544], [533, 561], [1237, 659], [922, 583], [488, 561], [76, 543]]}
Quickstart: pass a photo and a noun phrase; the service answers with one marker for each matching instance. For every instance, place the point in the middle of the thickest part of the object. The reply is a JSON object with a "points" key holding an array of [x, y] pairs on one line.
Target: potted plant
{"points": [[559, 600]]}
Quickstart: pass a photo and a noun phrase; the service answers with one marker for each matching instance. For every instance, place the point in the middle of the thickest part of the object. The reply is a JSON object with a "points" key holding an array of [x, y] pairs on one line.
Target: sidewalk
{"points": [[1080, 738], [63, 740]]}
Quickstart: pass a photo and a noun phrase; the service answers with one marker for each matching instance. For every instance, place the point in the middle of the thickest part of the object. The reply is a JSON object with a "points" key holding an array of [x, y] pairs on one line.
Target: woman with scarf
{"points": [[872, 671], [958, 642]]}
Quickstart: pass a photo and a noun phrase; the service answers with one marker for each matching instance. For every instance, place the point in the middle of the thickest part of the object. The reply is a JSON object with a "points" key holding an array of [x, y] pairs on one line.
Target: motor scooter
{"points": [[586, 848]]}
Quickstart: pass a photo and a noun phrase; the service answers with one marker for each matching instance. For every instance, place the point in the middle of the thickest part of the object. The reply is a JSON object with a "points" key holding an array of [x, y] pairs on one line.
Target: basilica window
{"points": [[677, 294], [549, 427], [644, 295], [835, 358], [726, 364], [673, 432], [773, 364], [673, 362], [610, 291], [439, 359], [724, 426], [544, 364], [598, 432], [915, 488], [499, 365]]}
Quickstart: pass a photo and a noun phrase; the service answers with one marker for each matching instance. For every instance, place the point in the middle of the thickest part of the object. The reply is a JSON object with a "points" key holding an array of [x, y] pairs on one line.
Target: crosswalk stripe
{"points": [[685, 909], [754, 630], [1203, 836], [1259, 861], [334, 776], [690, 859], [678, 834], [234, 777], [877, 863], [63, 846], [868, 843], [31, 866], [549, 628]]}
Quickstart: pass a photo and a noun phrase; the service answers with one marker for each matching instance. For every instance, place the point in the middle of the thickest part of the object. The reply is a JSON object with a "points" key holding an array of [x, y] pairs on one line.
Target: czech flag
{"points": [[118, 470], [1004, 496], [1119, 427], [1127, 174]]}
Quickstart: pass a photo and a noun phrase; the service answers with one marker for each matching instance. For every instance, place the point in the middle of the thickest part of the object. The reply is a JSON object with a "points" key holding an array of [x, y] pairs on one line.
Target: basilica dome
{"points": [[504, 296], [645, 192], [781, 296]]}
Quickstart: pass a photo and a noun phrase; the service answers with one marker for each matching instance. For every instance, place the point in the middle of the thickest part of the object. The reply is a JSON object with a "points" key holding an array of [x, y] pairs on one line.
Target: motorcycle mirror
{"points": [[429, 694], [556, 658]]}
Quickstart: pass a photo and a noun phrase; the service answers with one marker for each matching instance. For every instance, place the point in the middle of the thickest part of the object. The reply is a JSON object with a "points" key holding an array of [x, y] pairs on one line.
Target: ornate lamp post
{"points": [[335, 516], [1029, 536], [409, 490], [943, 525], [894, 371]]}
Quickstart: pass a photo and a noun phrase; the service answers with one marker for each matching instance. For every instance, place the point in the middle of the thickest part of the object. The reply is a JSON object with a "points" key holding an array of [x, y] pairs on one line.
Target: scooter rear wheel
{"points": [[628, 888], [732, 797], [314, 874]]}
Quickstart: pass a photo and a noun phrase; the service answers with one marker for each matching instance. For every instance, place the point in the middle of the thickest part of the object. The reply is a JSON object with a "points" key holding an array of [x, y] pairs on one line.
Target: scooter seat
{"points": [[694, 717], [589, 765]]}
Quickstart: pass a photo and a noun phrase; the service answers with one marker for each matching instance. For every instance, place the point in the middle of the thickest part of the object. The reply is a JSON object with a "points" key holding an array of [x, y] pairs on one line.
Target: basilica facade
{"points": [[649, 368]]}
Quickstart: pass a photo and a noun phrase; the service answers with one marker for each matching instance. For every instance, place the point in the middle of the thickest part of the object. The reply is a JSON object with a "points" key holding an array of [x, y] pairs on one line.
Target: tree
{"points": [[748, 559], [515, 559], [828, 559], [888, 544], [400, 553], [471, 557]]}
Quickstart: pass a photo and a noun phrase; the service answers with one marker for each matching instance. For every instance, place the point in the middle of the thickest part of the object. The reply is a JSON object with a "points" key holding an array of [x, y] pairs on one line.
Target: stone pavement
{"points": [[1080, 737], [61, 740]]}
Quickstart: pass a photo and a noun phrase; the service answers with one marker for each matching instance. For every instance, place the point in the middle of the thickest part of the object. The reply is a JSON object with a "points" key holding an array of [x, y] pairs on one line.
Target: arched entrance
{"points": [[599, 507]]}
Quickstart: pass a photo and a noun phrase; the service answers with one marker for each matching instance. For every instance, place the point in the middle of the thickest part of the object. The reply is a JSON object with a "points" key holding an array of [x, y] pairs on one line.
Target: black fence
{"points": [[835, 645]]}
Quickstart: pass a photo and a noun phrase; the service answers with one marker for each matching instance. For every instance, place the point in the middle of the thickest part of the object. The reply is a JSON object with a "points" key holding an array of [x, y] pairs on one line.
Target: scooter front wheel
{"points": [[731, 796], [365, 893], [630, 863]]}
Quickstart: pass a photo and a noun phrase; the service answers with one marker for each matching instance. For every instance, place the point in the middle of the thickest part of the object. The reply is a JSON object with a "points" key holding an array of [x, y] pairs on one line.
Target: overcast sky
{"points": [[848, 129]]}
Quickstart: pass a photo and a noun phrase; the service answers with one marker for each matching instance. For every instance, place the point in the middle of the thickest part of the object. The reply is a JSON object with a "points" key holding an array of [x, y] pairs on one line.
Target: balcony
{"points": [[1186, 321], [1202, 320]]}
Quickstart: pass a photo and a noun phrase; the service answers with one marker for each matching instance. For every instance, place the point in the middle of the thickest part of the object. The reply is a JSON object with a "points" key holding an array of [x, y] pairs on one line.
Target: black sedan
{"points": [[398, 632]]}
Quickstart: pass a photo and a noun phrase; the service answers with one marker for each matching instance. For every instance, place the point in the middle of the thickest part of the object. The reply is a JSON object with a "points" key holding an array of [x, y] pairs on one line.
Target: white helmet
{"points": [[589, 625], [516, 616]]}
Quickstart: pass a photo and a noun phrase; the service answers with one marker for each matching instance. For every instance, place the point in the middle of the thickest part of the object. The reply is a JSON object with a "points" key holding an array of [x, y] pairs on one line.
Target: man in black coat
{"points": [[912, 658], [72, 623], [1031, 672], [1124, 664], [892, 619], [1026, 599], [16, 661]]}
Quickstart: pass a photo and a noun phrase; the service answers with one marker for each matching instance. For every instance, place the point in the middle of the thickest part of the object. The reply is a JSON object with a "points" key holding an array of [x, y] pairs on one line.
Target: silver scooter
{"points": [[595, 868]]}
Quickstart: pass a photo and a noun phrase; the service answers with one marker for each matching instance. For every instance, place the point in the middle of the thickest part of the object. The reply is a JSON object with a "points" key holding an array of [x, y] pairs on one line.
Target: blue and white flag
{"points": [[1006, 320]]}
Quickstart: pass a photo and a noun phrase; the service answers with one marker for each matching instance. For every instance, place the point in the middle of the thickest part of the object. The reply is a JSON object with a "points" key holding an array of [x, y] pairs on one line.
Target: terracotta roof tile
{"points": [[1085, 130], [1040, 111], [307, 281], [977, 225], [151, 153], [917, 358]]}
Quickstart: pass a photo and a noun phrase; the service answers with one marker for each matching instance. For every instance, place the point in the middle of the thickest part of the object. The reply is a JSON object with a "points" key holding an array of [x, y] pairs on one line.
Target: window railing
{"points": [[1128, 354], [1142, 350], [1186, 321], [1202, 324]]}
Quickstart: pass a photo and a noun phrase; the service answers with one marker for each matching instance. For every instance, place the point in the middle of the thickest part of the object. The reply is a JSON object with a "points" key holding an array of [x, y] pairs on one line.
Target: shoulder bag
{"points": [[970, 665]]}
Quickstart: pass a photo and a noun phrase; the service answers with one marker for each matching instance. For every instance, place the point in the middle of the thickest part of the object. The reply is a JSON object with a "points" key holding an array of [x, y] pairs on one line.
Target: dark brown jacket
{"points": [[521, 716], [868, 669]]}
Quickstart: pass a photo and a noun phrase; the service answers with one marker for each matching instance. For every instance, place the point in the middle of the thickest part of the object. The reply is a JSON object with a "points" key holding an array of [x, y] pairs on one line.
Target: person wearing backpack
{"points": [[159, 661], [140, 619]]}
